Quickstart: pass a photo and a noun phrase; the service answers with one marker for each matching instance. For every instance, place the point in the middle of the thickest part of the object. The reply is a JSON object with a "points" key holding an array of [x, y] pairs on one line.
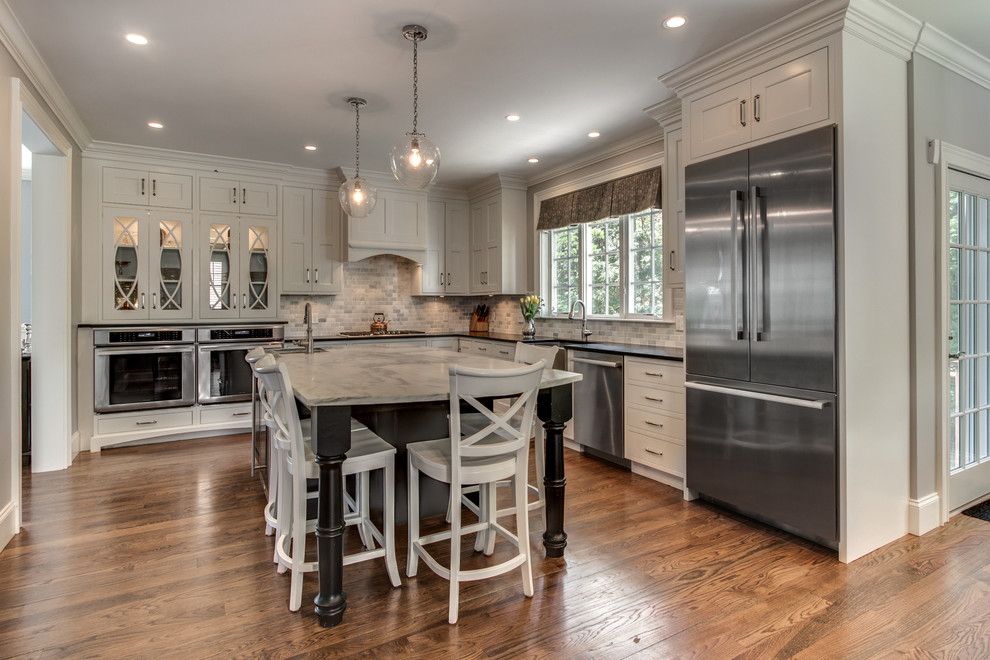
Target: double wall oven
{"points": [[145, 368]]}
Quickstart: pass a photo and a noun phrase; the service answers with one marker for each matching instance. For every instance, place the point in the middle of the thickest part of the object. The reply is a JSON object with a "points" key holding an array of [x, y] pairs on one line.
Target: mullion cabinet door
{"points": [[219, 248], [125, 278], [170, 264], [259, 296]]}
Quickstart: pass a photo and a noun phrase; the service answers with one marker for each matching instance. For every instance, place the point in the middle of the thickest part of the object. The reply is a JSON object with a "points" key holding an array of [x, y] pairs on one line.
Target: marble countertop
{"points": [[355, 375]]}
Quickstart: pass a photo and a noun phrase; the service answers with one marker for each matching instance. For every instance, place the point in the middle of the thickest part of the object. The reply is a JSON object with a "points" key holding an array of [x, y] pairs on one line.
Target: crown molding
{"points": [[881, 24], [667, 113], [497, 183], [599, 176], [22, 50], [953, 55], [637, 141], [209, 163]]}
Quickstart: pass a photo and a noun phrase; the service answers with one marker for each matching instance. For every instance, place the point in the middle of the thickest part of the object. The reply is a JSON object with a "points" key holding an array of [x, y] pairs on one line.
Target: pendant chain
{"points": [[357, 140], [415, 84]]}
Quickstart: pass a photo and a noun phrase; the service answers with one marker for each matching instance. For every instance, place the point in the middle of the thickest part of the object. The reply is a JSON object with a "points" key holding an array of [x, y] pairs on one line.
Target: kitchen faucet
{"points": [[585, 333], [308, 320]]}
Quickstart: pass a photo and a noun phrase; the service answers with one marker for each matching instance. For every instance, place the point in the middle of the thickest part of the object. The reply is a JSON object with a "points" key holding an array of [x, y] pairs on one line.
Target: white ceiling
{"points": [[261, 78]]}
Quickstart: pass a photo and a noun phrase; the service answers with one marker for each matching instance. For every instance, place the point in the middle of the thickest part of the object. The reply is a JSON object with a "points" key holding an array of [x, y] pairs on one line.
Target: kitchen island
{"points": [[403, 395]]}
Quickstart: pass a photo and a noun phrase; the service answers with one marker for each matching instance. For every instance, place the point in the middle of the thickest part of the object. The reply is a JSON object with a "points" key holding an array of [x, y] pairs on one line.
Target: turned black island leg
{"points": [[553, 407], [331, 439]]}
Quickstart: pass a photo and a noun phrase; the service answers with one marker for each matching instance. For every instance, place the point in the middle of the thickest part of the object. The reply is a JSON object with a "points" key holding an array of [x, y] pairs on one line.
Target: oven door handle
{"points": [[203, 348], [141, 350]]}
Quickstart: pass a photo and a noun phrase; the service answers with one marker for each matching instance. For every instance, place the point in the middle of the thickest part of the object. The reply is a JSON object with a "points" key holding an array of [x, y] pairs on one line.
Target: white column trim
{"points": [[924, 514]]}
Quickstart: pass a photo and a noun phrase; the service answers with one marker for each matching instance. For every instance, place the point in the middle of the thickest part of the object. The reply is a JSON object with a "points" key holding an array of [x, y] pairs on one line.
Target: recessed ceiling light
{"points": [[155, 124], [533, 159], [137, 39], [512, 117], [674, 22], [310, 147], [594, 134]]}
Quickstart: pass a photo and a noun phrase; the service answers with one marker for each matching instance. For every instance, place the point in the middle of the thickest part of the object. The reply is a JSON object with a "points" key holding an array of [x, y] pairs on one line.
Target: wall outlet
{"points": [[679, 322]]}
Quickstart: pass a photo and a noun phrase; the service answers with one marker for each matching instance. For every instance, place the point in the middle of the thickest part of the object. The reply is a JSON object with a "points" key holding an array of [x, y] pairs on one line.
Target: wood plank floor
{"points": [[159, 551]]}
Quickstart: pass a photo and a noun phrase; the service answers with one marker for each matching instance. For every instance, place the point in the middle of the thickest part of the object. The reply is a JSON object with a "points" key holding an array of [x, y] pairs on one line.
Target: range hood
{"points": [[355, 253], [397, 225]]}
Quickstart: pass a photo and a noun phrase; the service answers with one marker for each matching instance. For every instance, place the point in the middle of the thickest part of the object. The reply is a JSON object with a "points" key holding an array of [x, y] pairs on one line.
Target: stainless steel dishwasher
{"points": [[598, 405]]}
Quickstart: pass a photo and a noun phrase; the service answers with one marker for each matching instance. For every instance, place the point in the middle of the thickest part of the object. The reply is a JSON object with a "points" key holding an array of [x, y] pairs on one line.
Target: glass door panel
{"points": [[968, 363], [126, 283], [220, 265], [171, 265], [258, 269]]}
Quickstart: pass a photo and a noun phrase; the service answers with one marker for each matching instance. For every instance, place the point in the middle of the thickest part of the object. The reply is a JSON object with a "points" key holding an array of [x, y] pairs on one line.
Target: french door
{"points": [[969, 338]]}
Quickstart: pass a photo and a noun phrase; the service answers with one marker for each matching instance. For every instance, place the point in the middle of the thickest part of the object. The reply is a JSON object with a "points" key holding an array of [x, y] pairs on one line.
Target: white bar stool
{"points": [[368, 452], [497, 451], [252, 358]]}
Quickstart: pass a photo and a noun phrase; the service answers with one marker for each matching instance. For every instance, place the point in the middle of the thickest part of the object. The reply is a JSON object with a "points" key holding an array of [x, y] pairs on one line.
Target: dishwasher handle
{"points": [[598, 363]]}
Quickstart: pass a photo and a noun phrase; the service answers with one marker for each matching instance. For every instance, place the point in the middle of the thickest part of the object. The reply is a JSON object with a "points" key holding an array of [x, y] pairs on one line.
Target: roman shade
{"points": [[630, 194]]}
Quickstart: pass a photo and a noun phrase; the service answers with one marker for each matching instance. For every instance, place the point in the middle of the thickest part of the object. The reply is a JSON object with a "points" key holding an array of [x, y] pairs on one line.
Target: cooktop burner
{"points": [[388, 333]]}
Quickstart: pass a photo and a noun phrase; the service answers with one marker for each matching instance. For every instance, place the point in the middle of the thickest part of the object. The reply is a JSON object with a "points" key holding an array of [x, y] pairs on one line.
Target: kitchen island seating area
{"points": [[431, 387]]}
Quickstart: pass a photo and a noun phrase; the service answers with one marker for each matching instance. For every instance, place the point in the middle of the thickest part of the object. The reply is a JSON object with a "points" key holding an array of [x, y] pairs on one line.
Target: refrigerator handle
{"points": [[759, 216], [817, 404], [738, 274]]}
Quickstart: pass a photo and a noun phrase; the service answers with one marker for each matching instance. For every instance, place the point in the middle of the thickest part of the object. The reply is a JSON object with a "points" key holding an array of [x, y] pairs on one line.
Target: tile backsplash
{"points": [[385, 284]]}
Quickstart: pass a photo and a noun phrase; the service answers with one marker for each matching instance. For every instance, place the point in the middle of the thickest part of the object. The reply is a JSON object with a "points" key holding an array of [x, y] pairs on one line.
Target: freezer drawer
{"points": [[774, 460]]}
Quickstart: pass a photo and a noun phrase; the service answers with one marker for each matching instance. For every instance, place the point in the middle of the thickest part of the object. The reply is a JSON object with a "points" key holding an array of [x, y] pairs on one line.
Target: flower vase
{"points": [[530, 329]]}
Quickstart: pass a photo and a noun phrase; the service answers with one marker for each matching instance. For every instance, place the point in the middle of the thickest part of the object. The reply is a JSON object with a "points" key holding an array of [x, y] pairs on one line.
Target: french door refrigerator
{"points": [[761, 333]]}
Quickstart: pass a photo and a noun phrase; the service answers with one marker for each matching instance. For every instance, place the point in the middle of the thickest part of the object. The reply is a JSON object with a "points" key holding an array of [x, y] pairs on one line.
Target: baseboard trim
{"points": [[8, 524], [923, 514], [73, 447]]}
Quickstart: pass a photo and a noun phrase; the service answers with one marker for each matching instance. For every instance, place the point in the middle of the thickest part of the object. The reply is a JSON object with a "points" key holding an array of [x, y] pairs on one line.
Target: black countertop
{"points": [[615, 348]]}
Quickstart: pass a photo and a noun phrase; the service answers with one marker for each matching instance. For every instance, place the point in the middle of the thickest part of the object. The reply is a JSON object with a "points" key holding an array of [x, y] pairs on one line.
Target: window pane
{"points": [[564, 276], [645, 279], [598, 300], [642, 266], [614, 300], [642, 299]]}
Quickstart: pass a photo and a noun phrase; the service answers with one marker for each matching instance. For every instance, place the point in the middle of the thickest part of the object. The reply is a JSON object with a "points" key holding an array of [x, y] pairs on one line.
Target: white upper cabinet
{"points": [[232, 196], [310, 242], [147, 264], [791, 95], [721, 120], [237, 267], [673, 205], [499, 230], [446, 266], [788, 95], [143, 188]]}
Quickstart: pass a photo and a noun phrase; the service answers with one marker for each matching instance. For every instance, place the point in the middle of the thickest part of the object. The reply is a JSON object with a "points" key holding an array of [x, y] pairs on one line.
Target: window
{"points": [[615, 265], [565, 259]]}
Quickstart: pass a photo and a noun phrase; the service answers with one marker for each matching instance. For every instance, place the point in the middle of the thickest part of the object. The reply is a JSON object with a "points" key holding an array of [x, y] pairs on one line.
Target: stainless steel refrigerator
{"points": [[761, 333]]}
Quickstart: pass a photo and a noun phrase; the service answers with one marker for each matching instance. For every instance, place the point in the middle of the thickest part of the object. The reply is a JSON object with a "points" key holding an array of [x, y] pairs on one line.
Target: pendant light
{"points": [[357, 197], [415, 160]]}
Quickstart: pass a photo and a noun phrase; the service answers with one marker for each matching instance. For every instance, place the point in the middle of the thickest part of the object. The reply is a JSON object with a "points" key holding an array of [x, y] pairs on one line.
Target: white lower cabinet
{"points": [[655, 415], [226, 414], [498, 350], [151, 422]]}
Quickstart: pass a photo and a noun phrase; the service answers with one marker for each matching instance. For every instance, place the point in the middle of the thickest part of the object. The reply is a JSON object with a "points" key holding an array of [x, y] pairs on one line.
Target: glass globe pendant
{"points": [[357, 197], [415, 160]]}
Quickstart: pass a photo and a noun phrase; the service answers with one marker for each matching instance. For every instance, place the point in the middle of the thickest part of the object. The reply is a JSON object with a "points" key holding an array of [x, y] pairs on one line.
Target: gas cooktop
{"points": [[387, 333]]}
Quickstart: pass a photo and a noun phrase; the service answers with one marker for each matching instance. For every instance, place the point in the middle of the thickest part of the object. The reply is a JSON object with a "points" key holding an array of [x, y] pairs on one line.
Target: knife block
{"points": [[477, 325]]}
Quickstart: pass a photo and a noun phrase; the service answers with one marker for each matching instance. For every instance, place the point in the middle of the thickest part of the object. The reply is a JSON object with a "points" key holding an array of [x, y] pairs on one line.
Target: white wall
{"points": [[26, 251], [949, 107], [873, 299]]}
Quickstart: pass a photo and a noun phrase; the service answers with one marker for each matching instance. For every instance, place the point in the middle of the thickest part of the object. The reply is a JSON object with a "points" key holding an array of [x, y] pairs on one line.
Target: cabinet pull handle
{"points": [[154, 187], [649, 423], [652, 451], [244, 301], [756, 107], [482, 348], [671, 260], [147, 423], [742, 112], [243, 195], [154, 300], [441, 279], [652, 398], [233, 196], [448, 279], [653, 373], [307, 276], [142, 300], [317, 279], [142, 186], [241, 414]]}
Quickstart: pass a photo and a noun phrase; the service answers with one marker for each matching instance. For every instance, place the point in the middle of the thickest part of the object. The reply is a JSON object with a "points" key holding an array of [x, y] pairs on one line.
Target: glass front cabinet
{"points": [[147, 264], [237, 268]]}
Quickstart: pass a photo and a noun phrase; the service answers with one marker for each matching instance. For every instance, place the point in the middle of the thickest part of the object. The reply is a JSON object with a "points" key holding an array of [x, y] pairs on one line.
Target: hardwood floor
{"points": [[159, 551]]}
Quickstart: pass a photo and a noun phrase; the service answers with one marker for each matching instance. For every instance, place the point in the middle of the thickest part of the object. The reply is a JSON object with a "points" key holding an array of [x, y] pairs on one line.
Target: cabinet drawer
{"points": [[652, 372], [224, 414], [504, 351], [655, 453], [656, 424], [151, 421], [655, 398]]}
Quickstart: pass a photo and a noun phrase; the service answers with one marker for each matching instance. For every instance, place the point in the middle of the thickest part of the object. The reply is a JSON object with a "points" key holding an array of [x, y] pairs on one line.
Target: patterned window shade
{"points": [[630, 194]]}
